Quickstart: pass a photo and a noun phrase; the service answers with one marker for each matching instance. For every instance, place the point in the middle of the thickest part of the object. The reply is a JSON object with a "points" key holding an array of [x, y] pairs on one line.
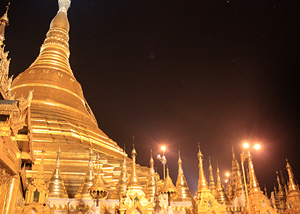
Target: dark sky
{"points": [[180, 72]]}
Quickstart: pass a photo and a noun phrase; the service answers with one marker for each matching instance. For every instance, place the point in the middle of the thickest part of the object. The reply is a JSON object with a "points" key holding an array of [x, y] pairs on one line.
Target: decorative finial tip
{"points": [[64, 5]]}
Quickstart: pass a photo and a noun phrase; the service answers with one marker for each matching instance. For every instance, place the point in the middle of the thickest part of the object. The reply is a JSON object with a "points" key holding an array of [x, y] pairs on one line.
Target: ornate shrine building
{"points": [[55, 158]]}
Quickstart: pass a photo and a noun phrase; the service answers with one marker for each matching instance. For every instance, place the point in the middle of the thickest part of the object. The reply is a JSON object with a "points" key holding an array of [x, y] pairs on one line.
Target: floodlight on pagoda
{"points": [[246, 145], [257, 147], [163, 160]]}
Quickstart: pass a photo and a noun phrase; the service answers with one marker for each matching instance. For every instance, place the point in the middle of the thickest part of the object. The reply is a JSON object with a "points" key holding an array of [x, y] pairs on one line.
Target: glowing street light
{"points": [[163, 160], [244, 155], [227, 174]]}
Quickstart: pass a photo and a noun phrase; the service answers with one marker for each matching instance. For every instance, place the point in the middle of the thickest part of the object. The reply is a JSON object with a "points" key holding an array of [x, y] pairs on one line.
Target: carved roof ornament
{"points": [[3, 23], [64, 5]]}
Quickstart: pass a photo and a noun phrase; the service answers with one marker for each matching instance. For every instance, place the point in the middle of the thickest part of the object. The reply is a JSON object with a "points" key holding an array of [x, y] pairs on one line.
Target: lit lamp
{"points": [[244, 155], [227, 177], [163, 160]]}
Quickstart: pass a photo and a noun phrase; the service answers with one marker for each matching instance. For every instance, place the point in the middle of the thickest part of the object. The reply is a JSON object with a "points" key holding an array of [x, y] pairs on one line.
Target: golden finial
{"points": [[179, 158], [4, 19], [292, 185], [64, 5], [3, 23]]}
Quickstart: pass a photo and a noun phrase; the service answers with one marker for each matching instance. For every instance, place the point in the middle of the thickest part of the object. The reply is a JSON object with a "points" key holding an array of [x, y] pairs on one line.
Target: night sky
{"points": [[176, 73]]}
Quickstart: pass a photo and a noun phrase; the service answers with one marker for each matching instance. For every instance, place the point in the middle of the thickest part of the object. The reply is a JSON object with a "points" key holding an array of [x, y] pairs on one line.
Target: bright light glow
{"points": [[246, 145], [226, 181], [163, 148], [227, 174], [257, 146]]}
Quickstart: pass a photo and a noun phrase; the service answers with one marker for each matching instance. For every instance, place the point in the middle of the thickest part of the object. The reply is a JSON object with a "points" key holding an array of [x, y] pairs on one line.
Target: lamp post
{"points": [[163, 160], [244, 155]]}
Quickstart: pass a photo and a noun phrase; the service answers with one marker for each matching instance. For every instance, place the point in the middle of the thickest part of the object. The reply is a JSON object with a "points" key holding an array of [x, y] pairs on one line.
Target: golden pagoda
{"points": [[60, 115], [183, 191]]}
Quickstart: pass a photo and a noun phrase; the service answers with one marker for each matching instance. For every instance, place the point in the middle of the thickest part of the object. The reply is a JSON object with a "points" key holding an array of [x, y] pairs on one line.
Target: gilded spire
{"points": [[3, 23], [183, 194], [233, 153], [151, 180], [56, 185], [134, 186], [254, 186], [280, 193], [83, 192], [202, 183], [123, 180], [221, 195], [292, 185], [239, 187], [134, 180], [266, 192], [212, 185]]}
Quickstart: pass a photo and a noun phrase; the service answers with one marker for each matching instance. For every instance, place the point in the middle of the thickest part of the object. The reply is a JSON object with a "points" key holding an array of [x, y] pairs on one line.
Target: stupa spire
{"points": [[254, 186], [183, 194], [221, 195], [83, 191], [202, 183], [151, 180], [134, 186], [239, 188], [123, 180], [4, 21], [212, 185], [292, 185], [56, 185]]}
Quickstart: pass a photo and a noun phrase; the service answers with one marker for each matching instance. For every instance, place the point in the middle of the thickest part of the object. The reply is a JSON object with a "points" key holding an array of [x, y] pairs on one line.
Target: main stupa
{"points": [[60, 115]]}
